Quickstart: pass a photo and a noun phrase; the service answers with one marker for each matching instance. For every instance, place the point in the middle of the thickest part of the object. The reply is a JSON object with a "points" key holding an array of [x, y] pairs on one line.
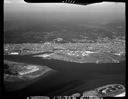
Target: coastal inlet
{"points": [[21, 75]]}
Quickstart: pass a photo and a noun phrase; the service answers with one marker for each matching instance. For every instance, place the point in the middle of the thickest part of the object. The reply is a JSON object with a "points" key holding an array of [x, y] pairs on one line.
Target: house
{"points": [[14, 53]]}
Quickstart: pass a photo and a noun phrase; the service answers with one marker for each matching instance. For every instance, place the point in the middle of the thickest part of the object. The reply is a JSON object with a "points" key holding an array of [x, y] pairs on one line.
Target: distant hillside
{"points": [[19, 31]]}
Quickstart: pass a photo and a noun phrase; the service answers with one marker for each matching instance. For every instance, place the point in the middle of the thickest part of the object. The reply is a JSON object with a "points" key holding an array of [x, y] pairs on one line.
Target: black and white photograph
{"points": [[64, 49]]}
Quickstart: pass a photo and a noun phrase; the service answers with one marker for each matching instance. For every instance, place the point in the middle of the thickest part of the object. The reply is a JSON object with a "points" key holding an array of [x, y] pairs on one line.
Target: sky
{"points": [[105, 10]]}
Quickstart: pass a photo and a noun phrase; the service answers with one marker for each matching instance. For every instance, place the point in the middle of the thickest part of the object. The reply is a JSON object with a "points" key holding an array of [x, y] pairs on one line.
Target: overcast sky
{"points": [[99, 10]]}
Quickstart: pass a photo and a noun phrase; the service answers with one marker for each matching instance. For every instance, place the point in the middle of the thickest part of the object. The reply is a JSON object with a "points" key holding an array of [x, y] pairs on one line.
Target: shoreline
{"points": [[14, 86]]}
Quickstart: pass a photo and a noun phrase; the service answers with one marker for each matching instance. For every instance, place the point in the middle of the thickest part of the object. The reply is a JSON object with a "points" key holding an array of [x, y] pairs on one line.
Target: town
{"points": [[106, 50]]}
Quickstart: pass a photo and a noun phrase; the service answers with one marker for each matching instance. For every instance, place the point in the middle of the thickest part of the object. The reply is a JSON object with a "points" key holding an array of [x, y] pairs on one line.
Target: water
{"points": [[70, 77]]}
